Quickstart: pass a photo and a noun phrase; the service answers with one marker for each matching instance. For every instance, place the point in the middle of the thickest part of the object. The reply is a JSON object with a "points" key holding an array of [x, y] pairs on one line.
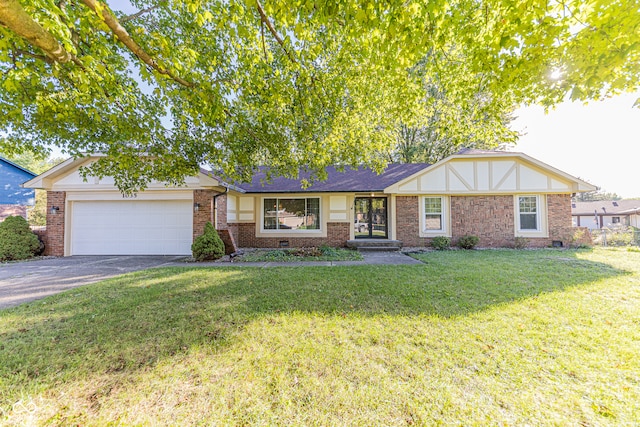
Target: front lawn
{"points": [[469, 338]]}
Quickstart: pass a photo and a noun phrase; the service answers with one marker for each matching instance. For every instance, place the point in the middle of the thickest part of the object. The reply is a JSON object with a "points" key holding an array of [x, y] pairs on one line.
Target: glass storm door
{"points": [[370, 221]]}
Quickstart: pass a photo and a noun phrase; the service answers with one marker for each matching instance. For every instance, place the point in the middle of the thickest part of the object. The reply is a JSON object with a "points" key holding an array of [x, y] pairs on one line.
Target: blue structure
{"points": [[11, 176]]}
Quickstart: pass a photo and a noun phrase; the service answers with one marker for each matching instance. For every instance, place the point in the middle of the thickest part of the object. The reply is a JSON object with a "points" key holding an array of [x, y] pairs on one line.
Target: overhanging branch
{"points": [[265, 19], [121, 33]]}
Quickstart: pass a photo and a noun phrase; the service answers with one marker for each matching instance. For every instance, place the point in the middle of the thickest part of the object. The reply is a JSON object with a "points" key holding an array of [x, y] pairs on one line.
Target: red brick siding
{"points": [[491, 218], [488, 217], [12, 210], [560, 224], [408, 221], [204, 214], [54, 236], [337, 236], [221, 212]]}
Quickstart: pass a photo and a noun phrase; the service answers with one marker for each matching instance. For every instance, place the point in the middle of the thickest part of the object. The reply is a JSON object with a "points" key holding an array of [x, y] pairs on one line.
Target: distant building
{"points": [[14, 200], [606, 213]]}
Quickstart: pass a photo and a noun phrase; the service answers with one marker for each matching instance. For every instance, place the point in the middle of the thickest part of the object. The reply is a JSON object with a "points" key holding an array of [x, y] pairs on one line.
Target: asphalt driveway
{"points": [[27, 281]]}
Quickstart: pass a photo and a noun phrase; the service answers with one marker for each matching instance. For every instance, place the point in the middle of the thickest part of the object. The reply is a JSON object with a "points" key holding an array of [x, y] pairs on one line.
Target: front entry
{"points": [[370, 221]]}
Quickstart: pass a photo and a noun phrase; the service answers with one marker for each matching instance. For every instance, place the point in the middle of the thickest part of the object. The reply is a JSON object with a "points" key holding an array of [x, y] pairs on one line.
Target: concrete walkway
{"points": [[21, 282]]}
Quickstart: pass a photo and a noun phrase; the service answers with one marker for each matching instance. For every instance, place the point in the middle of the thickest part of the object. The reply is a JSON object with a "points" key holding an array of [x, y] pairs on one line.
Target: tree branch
{"points": [[121, 33], [14, 17], [265, 19], [137, 14]]}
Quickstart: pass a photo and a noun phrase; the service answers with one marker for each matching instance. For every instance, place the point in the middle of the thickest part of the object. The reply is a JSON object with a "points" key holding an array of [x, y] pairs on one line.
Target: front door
{"points": [[370, 220]]}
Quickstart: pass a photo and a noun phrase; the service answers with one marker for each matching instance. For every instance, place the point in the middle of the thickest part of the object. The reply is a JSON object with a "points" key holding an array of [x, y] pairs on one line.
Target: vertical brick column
{"points": [[204, 214], [560, 224], [221, 212], [54, 237]]}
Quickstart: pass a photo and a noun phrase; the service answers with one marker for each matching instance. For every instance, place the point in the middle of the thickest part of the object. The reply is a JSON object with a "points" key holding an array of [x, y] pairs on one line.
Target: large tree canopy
{"points": [[292, 83]]}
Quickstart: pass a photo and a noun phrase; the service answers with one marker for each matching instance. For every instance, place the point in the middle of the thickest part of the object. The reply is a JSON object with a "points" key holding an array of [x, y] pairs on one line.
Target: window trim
{"points": [[291, 231], [541, 216], [445, 212]]}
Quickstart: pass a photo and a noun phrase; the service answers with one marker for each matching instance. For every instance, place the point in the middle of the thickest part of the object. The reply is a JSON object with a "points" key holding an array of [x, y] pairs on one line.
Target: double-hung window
{"points": [[528, 213], [291, 213], [434, 214]]}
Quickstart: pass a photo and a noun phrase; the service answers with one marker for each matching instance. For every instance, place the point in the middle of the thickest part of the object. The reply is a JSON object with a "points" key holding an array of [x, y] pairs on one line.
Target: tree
{"points": [[234, 83], [593, 196], [446, 124]]}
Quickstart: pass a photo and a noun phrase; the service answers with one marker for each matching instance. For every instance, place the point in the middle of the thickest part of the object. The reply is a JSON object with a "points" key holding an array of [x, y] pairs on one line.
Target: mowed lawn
{"points": [[469, 338]]}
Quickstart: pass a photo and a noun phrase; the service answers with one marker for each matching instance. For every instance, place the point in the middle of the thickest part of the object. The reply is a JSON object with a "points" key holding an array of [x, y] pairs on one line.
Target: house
{"points": [[497, 196], [14, 200], [606, 213]]}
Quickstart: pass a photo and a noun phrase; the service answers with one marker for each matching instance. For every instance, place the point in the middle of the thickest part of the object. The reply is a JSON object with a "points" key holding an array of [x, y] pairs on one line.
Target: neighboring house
{"points": [[496, 196], [606, 213], [14, 200]]}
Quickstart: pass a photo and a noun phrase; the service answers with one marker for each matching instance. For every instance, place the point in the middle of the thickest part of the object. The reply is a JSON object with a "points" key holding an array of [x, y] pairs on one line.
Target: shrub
{"points": [[328, 251], [468, 242], [520, 243], [441, 243], [208, 246], [17, 241]]}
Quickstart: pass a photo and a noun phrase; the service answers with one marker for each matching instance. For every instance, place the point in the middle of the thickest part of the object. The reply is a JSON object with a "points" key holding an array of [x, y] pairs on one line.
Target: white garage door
{"points": [[129, 227]]}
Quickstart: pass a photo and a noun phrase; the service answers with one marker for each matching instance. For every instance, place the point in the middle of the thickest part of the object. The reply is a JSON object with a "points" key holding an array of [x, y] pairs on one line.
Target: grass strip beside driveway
{"points": [[470, 337]]}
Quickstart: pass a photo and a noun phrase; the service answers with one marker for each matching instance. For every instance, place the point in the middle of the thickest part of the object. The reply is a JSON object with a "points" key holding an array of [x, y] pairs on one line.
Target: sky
{"points": [[598, 142]]}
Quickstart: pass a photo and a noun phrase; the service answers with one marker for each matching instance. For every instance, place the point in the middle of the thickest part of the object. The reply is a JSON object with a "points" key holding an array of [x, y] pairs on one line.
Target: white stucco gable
{"points": [[489, 173], [67, 177]]}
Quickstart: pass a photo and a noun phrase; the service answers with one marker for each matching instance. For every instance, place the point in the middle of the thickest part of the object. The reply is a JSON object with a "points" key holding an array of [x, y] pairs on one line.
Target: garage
{"points": [[131, 227]]}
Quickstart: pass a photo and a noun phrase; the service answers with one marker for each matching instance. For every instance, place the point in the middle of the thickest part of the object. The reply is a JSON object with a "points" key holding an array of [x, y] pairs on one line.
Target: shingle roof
{"points": [[610, 207], [350, 180]]}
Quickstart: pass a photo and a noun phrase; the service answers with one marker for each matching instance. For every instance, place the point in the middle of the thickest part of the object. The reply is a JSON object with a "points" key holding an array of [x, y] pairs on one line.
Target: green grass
{"points": [[301, 254], [469, 338]]}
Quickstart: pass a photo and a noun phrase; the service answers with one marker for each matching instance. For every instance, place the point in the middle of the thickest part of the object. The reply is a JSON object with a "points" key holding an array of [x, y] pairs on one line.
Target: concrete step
{"points": [[375, 244], [378, 249]]}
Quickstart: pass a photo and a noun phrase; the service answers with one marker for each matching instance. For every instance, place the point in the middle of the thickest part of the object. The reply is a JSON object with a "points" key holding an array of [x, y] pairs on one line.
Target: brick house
{"points": [[497, 196]]}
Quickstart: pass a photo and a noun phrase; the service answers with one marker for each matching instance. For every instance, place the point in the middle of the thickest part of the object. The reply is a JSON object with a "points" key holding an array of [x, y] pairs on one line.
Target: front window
{"points": [[615, 220], [291, 214], [433, 214], [528, 213]]}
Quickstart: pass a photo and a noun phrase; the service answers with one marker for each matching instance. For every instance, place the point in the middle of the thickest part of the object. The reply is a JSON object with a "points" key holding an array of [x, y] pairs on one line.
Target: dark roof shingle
{"points": [[350, 180]]}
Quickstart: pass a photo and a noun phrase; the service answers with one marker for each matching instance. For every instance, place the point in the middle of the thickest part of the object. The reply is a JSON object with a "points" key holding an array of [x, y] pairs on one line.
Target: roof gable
{"points": [[12, 176], [489, 172], [66, 176]]}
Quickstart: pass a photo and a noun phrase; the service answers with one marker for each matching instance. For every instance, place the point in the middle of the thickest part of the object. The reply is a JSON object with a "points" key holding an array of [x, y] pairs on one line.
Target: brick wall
{"points": [[54, 236], [491, 218], [560, 224], [337, 236], [204, 214], [221, 212], [408, 222], [12, 210]]}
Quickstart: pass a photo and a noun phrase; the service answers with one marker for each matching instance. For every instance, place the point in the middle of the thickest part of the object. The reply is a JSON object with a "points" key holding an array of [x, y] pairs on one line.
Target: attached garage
{"points": [[126, 227], [90, 216]]}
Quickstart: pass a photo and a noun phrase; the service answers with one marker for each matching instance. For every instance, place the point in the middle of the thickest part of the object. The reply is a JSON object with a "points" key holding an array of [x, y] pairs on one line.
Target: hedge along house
{"points": [[497, 196]]}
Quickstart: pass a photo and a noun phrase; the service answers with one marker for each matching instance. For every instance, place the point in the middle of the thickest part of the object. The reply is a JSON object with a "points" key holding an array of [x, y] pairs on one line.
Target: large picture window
{"points": [[528, 213], [433, 214], [291, 214]]}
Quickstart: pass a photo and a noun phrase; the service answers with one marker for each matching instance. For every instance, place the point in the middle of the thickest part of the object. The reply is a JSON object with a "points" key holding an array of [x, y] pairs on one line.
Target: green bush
{"points": [[520, 243], [468, 242], [17, 241], [208, 246], [441, 243]]}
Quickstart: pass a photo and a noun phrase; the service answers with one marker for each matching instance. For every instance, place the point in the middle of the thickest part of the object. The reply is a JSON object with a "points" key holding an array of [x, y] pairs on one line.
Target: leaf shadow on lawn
{"points": [[134, 321]]}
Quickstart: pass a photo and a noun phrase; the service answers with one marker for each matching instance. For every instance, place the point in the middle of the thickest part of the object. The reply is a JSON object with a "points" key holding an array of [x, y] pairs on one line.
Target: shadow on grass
{"points": [[133, 321]]}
